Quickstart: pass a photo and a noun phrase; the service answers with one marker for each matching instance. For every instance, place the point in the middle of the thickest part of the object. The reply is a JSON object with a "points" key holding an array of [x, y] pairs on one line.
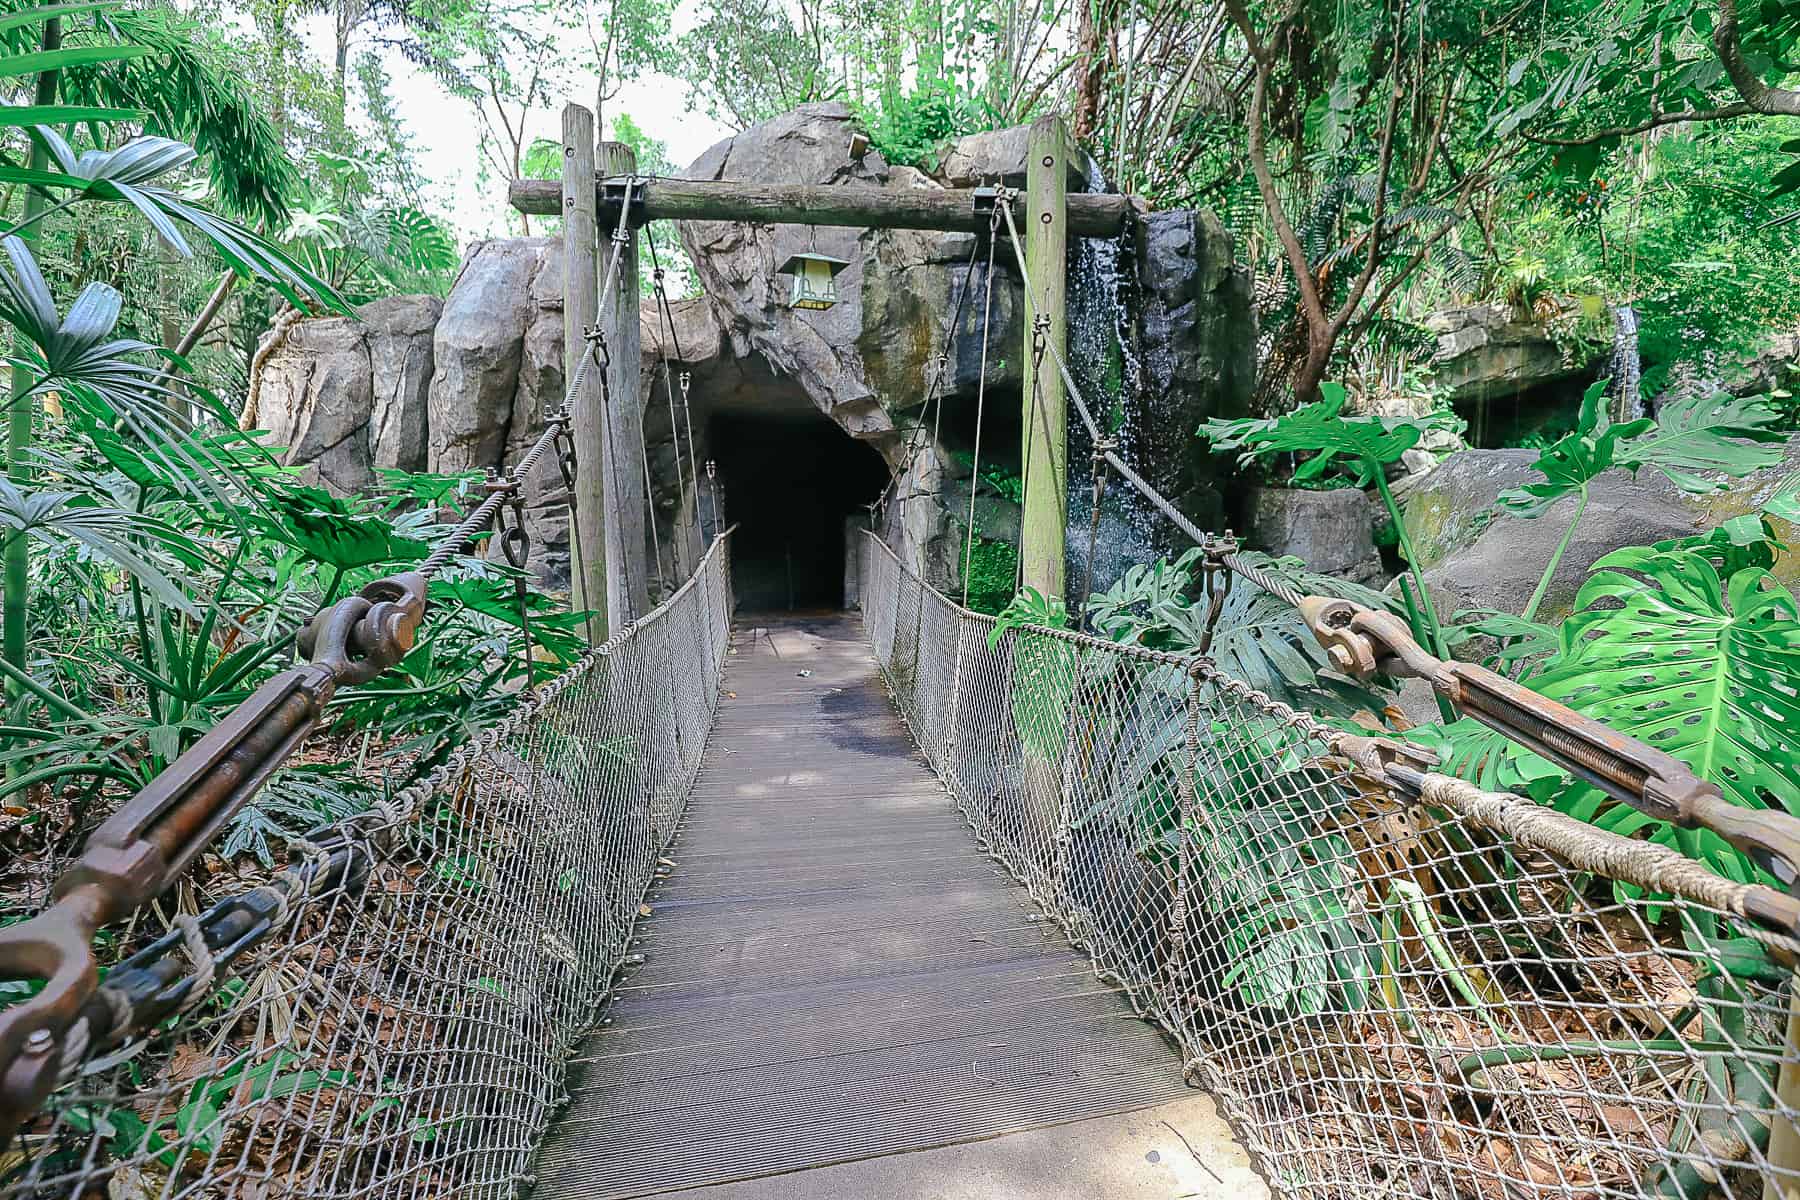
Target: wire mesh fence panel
{"points": [[1453, 993], [404, 1032], [937, 642]]}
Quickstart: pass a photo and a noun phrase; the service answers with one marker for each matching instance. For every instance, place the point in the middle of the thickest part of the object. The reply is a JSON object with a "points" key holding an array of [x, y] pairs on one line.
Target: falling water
{"points": [[1627, 365], [1104, 364]]}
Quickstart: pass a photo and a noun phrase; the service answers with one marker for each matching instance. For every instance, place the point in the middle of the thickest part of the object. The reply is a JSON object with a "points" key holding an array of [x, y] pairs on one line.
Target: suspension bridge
{"points": [[814, 905]]}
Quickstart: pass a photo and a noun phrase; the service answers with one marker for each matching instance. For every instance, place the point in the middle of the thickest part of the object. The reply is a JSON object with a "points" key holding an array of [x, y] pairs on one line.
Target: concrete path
{"points": [[835, 974]]}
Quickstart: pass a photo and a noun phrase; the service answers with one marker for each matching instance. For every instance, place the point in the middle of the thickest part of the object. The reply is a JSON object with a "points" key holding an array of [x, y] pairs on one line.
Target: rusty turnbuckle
{"points": [[144, 847], [1362, 642]]}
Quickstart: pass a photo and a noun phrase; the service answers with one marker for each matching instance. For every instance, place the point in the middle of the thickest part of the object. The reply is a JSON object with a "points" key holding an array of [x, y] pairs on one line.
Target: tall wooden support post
{"points": [[1044, 452], [629, 571], [581, 304], [1040, 665]]}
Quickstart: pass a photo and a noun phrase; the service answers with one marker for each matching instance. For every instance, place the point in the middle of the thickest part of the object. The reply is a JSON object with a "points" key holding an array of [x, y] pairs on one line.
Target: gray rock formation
{"points": [[399, 331], [467, 389], [344, 396], [1331, 531], [1488, 352], [1194, 349], [480, 352], [995, 156], [1476, 556]]}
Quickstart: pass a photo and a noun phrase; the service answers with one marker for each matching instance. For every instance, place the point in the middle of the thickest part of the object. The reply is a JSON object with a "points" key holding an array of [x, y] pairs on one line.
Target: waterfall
{"points": [[1627, 365], [1103, 361]]}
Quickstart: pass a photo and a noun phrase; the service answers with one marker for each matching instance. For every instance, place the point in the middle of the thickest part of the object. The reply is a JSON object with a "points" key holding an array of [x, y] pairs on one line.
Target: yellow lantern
{"points": [[815, 279]]}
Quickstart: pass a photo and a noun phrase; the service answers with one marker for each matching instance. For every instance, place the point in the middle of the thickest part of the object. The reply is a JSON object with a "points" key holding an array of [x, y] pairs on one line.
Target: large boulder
{"points": [[1331, 531], [316, 400], [399, 331], [1475, 555], [997, 156], [905, 312], [479, 351], [345, 395]]}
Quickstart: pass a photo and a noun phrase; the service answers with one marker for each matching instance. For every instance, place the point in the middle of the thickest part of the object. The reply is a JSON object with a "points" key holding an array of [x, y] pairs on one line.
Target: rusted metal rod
{"points": [[952, 210], [1362, 642], [143, 848]]}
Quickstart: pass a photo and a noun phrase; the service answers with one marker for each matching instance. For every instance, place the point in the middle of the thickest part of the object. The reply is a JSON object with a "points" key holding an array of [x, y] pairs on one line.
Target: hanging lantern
{"points": [[815, 279]]}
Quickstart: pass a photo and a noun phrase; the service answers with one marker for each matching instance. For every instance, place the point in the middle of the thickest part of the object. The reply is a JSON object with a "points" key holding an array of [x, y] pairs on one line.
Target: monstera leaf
{"points": [[1573, 460], [495, 597], [1696, 663], [1725, 434], [1722, 434], [1360, 445], [1260, 638]]}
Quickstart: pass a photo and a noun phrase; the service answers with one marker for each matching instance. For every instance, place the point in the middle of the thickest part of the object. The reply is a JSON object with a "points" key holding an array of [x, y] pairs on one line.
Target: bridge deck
{"points": [[834, 971]]}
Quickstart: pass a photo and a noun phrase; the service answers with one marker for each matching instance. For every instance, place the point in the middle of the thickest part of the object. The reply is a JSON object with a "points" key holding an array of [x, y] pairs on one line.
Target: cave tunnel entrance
{"points": [[789, 481]]}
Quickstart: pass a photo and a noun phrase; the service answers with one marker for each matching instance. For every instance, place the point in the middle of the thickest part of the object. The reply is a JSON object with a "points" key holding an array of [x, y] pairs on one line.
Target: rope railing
{"points": [[391, 1015], [1363, 642], [1428, 990]]}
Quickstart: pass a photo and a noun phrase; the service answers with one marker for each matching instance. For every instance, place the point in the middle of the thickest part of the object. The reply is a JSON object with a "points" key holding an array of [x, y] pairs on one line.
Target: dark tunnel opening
{"points": [[789, 482]]}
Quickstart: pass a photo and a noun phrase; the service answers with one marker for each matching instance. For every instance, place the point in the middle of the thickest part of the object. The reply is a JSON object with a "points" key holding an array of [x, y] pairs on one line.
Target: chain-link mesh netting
{"points": [[1459, 994], [406, 1036]]}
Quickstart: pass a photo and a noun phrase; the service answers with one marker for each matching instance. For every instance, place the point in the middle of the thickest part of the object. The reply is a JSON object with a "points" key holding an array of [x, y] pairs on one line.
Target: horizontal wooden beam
{"points": [[950, 209]]}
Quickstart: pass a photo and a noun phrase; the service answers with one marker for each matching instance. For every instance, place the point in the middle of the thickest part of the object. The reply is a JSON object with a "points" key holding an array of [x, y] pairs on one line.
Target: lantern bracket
{"points": [[622, 189]]}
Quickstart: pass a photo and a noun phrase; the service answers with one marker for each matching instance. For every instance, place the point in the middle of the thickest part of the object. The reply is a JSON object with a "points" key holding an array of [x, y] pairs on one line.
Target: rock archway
{"points": [[1181, 305]]}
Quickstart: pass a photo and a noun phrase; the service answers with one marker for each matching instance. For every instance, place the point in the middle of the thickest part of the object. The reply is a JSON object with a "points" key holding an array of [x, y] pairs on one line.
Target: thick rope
{"points": [[987, 312], [1649, 865]]}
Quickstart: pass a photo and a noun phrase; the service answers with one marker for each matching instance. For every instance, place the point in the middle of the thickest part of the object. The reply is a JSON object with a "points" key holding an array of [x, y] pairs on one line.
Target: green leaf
{"points": [[1665, 649], [1574, 460], [38, 14], [1727, 434], [131, 541], [27, 115], [339, 533], [1360, 445], [17, 65]]}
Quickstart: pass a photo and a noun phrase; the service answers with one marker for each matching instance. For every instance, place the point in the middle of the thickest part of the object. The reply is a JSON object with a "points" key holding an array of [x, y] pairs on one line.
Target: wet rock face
{"points": [[1196, 344]]}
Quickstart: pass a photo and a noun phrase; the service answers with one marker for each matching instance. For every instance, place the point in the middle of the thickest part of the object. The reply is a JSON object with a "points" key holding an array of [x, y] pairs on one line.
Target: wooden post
{"points": [[1039, 664], [628, 568], [581, 302], [1044, 452]]}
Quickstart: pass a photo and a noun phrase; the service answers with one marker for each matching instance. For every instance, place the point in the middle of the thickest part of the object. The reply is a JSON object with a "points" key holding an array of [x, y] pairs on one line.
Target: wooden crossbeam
{"points": [[952, 210]]}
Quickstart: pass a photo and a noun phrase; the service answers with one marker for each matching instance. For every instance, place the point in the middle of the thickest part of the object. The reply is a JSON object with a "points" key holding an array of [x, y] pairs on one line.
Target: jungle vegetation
{"points": [[173, 177]]}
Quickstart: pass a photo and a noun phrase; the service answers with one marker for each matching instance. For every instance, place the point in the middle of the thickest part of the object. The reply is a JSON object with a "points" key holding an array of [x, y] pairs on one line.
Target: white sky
{"points": [[444, 130]]}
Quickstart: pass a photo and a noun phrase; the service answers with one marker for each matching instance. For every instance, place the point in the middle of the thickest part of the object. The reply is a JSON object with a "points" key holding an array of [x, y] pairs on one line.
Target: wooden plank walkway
{"points": [[834, 971]]}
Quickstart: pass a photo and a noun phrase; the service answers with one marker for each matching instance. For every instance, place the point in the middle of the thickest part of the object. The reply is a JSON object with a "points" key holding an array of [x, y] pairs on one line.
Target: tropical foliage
{"points": [[159, 561]]}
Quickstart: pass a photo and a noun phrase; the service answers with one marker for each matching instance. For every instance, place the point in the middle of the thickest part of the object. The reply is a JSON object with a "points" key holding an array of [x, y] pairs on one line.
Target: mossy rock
{"points": [[1476, 556]]}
